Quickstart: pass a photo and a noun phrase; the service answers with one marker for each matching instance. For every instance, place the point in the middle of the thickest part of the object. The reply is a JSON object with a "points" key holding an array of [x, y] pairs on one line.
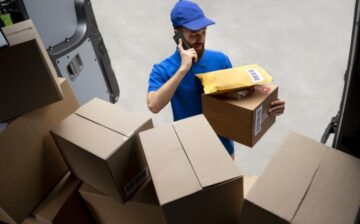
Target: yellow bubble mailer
{"points": [[227, 80]]}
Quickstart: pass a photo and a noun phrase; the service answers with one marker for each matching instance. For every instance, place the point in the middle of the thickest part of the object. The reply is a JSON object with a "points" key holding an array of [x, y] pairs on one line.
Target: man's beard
{"points": [[200, 51]]}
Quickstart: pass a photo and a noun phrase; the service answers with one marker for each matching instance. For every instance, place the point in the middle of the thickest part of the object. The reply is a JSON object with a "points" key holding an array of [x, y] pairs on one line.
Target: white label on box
{"points": [[258, 120], [255, 75], [136, 182]]}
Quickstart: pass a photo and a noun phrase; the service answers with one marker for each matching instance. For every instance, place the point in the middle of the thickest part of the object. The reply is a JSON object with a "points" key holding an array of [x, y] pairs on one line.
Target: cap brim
{"points": [[198, 24]]}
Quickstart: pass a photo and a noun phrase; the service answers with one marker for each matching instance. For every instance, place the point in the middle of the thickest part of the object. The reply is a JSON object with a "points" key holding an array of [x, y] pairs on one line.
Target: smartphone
{"points": [[179, 35]]}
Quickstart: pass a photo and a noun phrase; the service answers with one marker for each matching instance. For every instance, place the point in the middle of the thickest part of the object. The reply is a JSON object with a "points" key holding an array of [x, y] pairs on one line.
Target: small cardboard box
{"points": [[307, 183], [142, 208], [63, 205], [244, 121], [100, 144], [29, 80], [30, 162], [195, 179]]}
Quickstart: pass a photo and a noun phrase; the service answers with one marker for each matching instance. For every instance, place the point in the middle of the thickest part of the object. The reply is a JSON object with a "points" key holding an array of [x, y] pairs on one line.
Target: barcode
{"points": [[258, 120], [255, 75]]}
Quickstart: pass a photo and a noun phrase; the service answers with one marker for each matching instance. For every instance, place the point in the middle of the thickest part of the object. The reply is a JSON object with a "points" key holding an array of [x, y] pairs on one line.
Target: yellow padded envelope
{"points": [[234, 78]]}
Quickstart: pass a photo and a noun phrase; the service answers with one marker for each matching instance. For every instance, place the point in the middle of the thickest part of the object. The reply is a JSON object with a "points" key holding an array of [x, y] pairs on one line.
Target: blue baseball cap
{"points": [[189, 15]]}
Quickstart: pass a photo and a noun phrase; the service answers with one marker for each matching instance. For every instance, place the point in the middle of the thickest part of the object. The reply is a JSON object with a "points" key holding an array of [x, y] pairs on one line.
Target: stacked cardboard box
{"points": [[142, 208], [195, 179], [305, 182], [100, 144], [62, 205], [30, 162], [31, 165], [29, 80]]}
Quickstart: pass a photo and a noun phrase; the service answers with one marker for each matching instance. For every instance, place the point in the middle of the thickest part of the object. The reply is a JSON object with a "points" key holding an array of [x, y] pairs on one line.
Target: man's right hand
{"points": [[188, 57]]}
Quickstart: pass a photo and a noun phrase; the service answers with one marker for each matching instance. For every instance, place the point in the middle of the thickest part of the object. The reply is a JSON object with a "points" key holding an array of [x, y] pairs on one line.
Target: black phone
{"points": [[179, 35]]}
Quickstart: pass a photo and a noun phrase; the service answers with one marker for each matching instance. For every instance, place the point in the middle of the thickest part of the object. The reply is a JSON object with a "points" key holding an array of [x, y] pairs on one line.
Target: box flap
{"points": [[171, 172], [18, 27], [112, 116], [334, 195], [252, 101], [13, 155], [249, 182], [199, 139], [50, 207], [282, 186], [89, 136]]}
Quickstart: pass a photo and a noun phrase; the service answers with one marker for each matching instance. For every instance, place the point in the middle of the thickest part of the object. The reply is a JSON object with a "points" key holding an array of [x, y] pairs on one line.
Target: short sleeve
{"points": [[227, 62], [156, 79]]}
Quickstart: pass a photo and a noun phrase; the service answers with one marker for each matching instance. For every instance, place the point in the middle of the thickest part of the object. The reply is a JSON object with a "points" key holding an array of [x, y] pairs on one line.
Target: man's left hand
{"points": [[277, 108]]}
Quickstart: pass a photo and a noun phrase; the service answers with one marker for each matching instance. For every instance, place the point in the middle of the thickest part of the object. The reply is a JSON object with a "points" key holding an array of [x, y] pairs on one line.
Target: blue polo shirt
{"points": [[186, 101]]}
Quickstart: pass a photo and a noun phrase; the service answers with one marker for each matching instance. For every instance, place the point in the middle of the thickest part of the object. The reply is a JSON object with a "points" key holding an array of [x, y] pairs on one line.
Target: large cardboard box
{"points": [[244, 121], [63, 205], [29, 80], [195, 179], [305, 182], [30, 163], [100, 144], [142, 208], [249, 182]]}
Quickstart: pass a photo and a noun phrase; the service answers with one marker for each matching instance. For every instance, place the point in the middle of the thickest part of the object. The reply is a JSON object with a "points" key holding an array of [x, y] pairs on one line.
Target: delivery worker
{"points": [[173, 79]]}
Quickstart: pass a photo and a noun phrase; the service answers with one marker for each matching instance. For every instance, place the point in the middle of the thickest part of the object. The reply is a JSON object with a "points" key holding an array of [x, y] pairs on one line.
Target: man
{"points": [[174, 78]]}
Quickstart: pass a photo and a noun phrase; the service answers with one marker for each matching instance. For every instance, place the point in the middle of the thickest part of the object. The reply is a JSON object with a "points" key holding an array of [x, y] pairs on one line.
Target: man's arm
{"points": [[156, 100]]}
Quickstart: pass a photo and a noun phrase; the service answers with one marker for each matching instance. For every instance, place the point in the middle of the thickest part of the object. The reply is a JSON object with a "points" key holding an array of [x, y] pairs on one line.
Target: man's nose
{"points": [[200, 39]]}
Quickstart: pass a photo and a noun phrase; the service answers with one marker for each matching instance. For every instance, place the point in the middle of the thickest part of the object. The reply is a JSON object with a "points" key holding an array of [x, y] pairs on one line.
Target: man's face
{"points": [[196, 39]]}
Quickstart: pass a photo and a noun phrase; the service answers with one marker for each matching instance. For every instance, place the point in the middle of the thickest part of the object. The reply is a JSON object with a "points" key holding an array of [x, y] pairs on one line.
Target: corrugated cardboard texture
{"points": [[100, 111], [29, 80], [334, 194], [192, 173], [30, 163], [220, 203], [306, 182], [91, 137], [25, 31], [64, 204], [99, 143], [249, 182], [283, 184], [235, 119], [26, 84], [142, 208], [170, 169], [217, 166], [50, 116]]}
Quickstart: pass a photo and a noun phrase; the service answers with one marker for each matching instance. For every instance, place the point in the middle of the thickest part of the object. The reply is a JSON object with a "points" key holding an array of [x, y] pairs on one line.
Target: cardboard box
{"points": [[244, 121], [99, 142], [30, 163], [249, 182], [195, 179], [142, 208], [63, 205], [305, 182], [29, 80]]}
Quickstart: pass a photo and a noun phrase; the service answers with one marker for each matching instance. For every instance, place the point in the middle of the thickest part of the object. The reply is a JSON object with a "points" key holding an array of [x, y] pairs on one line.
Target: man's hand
{"points": [[277, 108], [187, 57]]}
